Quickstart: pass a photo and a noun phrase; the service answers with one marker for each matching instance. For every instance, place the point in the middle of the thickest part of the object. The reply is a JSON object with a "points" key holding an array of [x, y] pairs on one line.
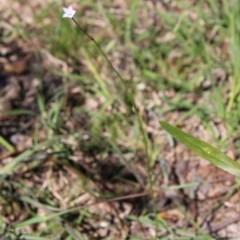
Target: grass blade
{"points": [[6, 144], [203, 149]]}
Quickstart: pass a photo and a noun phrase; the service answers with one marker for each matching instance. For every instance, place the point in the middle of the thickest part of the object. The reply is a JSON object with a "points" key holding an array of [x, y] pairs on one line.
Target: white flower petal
{"points": [[68, 12]]}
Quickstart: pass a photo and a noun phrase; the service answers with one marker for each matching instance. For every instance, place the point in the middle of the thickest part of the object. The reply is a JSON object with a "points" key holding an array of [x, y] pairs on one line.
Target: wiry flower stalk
{"points": [[69, 13]]}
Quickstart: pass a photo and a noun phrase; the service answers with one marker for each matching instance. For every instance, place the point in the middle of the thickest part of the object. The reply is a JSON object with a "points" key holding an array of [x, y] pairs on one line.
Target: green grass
{"points": [[96, 135], [204, 150]]}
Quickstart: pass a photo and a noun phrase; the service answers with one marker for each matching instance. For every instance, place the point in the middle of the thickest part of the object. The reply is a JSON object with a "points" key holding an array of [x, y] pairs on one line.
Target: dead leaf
{"points": [[17, 67]]}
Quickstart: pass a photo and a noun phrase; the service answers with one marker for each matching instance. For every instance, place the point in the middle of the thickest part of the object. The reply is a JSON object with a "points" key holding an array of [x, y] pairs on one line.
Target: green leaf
{"points": [[6, 144], [203, 149]]}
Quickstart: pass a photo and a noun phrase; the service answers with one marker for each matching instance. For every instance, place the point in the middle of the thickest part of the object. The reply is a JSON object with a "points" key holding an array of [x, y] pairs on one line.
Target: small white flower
{"points": [[69, 12]]}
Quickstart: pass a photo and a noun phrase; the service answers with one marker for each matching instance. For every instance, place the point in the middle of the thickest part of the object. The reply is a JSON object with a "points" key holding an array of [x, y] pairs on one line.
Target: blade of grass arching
{"points": [[18, 112], [72, 76], [10, 166], [203, 149], [52, 216], [35, 203], [28, 156], [40, 219], [6, 144], [96, 75], [28, 237]]}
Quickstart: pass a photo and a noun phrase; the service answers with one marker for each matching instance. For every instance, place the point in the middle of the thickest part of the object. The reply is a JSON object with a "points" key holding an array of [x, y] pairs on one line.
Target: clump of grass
{"points": [[174, 56], [130, 101]]}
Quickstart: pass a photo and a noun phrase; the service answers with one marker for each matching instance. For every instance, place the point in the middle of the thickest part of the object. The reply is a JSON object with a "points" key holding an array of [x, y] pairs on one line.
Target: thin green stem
{"points": [[132, 102], [101, 51]]}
